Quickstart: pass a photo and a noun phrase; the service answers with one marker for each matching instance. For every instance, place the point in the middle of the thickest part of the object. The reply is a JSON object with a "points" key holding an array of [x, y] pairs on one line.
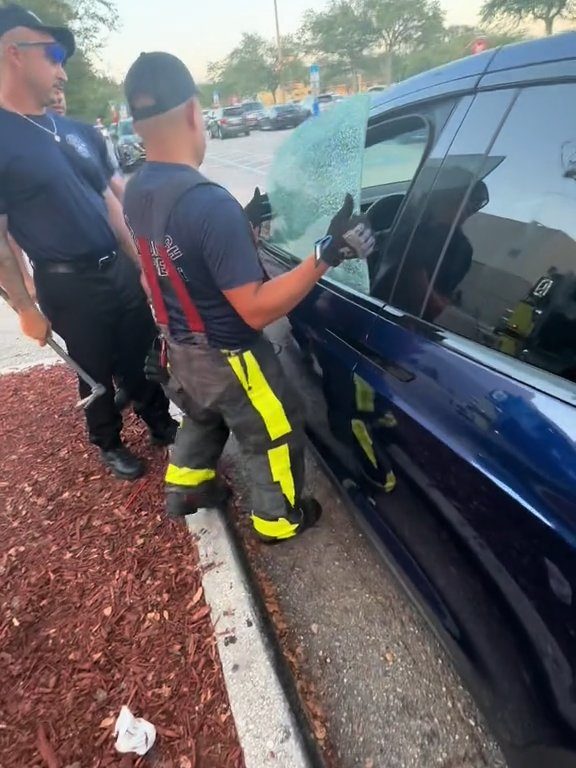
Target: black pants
{"points": [[247, 393], [105, 320]]}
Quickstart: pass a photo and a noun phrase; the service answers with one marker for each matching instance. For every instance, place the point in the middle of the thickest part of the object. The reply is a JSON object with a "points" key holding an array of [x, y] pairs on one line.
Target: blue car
{"points": [[439, 377]]}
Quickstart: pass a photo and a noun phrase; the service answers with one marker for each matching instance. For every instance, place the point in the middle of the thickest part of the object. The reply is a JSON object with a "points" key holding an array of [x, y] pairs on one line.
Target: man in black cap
{"points": [[200, 260], [55, 202]]}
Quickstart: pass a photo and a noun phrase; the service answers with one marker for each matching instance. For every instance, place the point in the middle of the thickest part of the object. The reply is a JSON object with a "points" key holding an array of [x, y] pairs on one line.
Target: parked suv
{"points": [[229, 121], [439, 377], [253, 110]]}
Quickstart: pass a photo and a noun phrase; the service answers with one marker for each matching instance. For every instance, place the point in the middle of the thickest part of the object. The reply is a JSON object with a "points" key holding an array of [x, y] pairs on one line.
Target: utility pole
{"points": [[279, 44]]}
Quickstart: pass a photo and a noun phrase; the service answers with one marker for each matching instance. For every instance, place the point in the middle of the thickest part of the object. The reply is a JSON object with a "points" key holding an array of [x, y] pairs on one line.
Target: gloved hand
{"points": [[258, 209], [349, 236], [156, 364]]}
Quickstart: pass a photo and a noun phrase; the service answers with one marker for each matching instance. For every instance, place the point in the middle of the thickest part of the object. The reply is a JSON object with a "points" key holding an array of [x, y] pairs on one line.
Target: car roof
{"points": [[469, 71]]}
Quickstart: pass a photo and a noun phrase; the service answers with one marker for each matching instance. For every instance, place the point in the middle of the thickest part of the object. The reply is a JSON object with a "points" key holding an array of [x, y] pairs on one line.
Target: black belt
{"points": [[78, 266]]}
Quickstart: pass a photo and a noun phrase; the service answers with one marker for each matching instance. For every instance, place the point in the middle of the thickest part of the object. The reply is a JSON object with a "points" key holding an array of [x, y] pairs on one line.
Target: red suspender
{"points": [[190, 312], [148, 251]]}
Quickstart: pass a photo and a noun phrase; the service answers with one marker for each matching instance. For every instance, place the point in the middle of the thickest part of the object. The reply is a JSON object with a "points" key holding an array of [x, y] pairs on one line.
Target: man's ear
{"points": [[191, 113]]}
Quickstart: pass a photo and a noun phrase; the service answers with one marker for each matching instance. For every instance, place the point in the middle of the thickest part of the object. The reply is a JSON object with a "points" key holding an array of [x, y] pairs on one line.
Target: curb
{"points": [[271, 725]]}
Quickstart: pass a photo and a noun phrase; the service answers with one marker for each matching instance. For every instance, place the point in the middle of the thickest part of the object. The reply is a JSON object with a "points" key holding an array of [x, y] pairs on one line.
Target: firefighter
{"points": [[210, 298]]}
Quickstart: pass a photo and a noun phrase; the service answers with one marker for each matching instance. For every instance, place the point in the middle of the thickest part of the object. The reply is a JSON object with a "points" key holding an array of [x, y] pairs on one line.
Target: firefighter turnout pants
{"points": [[247, 393]]}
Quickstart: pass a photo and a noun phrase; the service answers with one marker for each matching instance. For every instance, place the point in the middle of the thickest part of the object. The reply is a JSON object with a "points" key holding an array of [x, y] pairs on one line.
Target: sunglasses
{"points": [[56, 53]]}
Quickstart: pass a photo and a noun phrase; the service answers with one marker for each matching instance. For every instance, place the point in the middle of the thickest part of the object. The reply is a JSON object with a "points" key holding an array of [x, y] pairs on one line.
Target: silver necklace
{"points": [[53, 133]]}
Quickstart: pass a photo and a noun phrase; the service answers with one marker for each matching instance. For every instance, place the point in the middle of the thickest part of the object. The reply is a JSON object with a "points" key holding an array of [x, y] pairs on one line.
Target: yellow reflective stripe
{"points": [[364, 395], [261, 395], [363, 436], [281, 468], [188, 477], [390, 482], [274, 529]]}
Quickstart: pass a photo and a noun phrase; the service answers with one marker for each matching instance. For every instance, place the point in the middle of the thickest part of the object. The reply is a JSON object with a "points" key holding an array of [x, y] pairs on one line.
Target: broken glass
{"points": [[312, 173]]}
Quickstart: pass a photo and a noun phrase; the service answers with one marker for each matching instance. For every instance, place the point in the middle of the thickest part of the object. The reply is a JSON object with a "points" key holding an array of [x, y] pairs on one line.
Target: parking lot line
{"points": [[231, 163]]}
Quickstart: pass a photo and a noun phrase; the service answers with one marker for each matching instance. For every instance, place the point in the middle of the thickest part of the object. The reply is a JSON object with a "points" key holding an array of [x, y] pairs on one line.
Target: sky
{"points": [[200, 31]]}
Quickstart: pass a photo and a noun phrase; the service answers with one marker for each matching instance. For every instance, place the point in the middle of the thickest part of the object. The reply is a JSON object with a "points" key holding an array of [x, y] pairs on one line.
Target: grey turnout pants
{"points": [[245, 392]]}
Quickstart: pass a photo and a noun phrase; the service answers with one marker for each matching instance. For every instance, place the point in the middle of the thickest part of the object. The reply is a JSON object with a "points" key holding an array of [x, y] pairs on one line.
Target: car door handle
{"points": [[402, 374]]}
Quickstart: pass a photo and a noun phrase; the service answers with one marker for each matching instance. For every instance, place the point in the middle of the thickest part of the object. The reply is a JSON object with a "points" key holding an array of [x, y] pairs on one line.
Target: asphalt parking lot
{"points": [[390, 694]]}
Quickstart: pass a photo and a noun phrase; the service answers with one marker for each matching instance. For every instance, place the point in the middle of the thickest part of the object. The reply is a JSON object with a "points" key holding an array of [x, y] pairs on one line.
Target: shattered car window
{"points": [[312, 172]]}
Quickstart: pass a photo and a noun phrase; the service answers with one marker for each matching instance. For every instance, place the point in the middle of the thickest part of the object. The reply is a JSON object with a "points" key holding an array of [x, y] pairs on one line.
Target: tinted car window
{"points": [[518, 227], [411, 258], [252, 106], [233, 112]]}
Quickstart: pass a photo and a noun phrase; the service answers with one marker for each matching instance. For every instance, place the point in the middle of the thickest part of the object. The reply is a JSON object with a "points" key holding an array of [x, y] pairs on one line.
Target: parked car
{"points": [[206, 116], [281, 116], [325, 101], [253, 110], [229, 121], [128, 145], [439, 377], [305, 109]]}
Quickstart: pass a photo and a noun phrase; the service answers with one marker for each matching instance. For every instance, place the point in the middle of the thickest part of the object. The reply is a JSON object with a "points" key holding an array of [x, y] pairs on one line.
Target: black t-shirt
{"points": [[52, 191], [209, 238]]}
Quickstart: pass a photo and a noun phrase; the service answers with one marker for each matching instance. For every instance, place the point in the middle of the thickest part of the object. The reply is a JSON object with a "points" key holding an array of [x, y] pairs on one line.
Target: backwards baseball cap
{"points": [[156, 83], [13, 16]]}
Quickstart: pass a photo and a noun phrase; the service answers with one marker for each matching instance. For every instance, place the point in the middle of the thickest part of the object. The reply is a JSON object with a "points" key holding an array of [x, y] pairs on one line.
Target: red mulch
{"points": [[101, 600]]}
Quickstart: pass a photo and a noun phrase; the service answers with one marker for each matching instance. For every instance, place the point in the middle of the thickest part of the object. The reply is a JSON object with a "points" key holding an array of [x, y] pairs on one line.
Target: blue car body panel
{"points": [[481, 528]]}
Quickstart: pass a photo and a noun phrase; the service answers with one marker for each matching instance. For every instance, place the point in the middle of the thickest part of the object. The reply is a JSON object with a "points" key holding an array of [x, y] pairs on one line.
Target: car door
{"points": [[473, 360], [320, 341]]}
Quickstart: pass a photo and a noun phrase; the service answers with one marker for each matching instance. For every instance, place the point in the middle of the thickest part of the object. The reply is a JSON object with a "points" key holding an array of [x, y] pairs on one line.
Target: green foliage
{"points": [[255, 65], [404, 28], [547, 11], [339, 37]]}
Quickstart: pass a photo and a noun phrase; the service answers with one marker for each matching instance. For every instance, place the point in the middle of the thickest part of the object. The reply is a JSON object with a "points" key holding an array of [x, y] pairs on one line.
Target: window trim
{"points": [[521, 371], [515, 93]]}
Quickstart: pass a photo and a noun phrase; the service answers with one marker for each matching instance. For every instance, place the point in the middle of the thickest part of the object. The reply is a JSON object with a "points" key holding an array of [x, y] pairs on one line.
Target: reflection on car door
{"points": [[485, 448]]}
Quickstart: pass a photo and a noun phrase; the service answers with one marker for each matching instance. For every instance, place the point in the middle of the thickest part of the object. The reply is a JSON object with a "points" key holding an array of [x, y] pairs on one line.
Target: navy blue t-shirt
{"points": [[52, 191], [209, 238]]}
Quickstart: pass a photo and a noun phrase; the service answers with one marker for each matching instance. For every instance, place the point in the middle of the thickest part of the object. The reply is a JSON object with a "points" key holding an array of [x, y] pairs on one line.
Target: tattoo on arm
{"points": [[11, 277]]}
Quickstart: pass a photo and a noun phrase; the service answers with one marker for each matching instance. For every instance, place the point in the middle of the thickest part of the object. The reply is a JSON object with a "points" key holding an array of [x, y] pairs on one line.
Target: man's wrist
{"points": [[25, 306], [325, 253]]}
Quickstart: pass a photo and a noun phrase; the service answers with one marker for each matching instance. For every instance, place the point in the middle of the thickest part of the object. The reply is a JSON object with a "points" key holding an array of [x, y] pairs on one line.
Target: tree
{"points": [[254, 66], [456, 42], [403, 27], [548, 11], [341, 36]]}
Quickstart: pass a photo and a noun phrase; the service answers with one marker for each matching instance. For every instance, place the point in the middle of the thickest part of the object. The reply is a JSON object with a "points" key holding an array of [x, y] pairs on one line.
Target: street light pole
{"points": [[279, 44]]}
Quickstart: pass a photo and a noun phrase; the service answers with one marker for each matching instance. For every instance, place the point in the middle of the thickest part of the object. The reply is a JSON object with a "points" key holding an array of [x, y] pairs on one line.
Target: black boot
{"points": [[298, 520], [163, 433], [122, 463], [121, 399], [179, 504]]}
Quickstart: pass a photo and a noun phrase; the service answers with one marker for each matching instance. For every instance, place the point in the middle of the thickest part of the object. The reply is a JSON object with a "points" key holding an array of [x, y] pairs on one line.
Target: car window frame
{"points": [[386, 116], [522, 371]]}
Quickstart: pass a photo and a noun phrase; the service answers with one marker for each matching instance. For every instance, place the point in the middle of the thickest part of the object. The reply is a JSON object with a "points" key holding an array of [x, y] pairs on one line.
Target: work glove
{"points": [[349, 236], [156, 364], [258, 209]]}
